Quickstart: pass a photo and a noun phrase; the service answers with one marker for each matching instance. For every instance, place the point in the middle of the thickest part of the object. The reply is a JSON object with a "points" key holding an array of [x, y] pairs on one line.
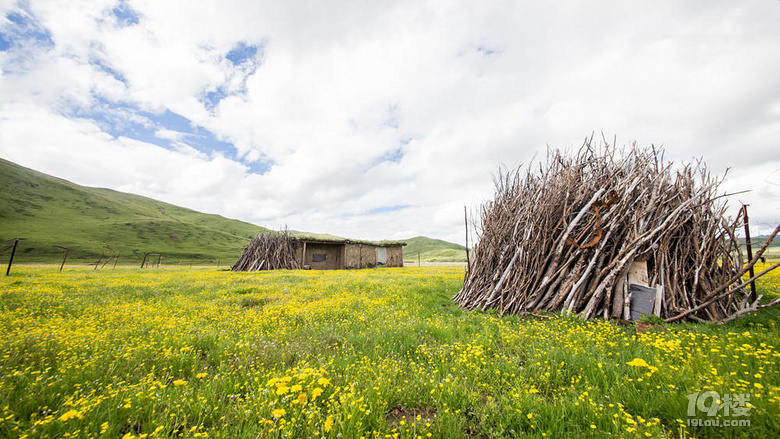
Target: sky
{"points": [[381, 119]]}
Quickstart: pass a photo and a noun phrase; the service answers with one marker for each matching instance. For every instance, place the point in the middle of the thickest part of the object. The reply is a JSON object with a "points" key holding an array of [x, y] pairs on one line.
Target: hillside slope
{"points": [[433, 250], [49, 211]]}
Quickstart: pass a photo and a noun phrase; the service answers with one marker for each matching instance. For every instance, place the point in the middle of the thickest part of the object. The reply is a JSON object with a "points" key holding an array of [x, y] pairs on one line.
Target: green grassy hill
{"points": [[433, 250], [48, 211]]}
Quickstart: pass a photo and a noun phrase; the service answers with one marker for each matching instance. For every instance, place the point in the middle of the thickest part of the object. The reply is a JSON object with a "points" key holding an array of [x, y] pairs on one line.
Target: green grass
{"points": [[349, 354], [48, 211], [433, 250]]}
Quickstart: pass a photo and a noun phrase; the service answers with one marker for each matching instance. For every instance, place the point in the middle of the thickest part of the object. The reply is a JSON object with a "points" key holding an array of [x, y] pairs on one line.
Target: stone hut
{"points": [[334, 254]]}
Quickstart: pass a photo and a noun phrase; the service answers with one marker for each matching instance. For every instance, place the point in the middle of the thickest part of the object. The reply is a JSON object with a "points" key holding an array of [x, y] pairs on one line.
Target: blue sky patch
{"points": [[377, 210], [213, 98], [23, 29], [102, 65], [5, 42], [385, 209], [242, 53], [394, 156], [173, 121], [125, 15], [245, 58], [488, 51], [125, 120]]}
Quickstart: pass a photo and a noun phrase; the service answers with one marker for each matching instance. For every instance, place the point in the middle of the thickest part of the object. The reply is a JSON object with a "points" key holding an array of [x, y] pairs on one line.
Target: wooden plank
{"points": [[637, 273]]}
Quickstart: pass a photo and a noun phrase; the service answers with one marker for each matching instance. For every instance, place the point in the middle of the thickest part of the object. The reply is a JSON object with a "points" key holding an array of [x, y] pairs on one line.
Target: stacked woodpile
{"points": [[269, 251], [563, 236]]}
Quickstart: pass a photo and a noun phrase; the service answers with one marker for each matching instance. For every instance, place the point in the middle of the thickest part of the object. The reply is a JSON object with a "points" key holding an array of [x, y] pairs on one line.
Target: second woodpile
{"points": [[269, 251], [562, 237]]}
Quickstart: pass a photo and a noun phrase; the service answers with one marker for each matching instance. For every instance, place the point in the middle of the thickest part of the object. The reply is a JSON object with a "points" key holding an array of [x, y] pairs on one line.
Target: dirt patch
{"points": [[651, 327], [409, 415]]}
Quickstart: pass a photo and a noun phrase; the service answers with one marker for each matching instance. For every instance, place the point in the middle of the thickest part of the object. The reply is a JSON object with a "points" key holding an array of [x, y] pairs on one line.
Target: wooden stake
{"points": [[67, 251], [11, 260], [65, 258], [466, 220], [749, 251]]}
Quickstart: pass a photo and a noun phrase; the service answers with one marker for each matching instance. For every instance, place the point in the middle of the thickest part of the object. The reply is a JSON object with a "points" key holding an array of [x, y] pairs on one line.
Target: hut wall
{"points": [[324, 256], [360, 256], [368, 255], [395, 256], [299, 253], [352, 258]]}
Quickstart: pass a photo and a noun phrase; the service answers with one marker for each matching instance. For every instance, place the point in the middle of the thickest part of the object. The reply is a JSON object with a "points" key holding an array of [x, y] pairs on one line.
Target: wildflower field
{"points": [[365, 353]]}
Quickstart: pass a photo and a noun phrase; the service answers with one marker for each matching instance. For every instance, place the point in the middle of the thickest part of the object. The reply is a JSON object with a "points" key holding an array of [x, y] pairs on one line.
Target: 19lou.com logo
{"points": [[708, 409]]}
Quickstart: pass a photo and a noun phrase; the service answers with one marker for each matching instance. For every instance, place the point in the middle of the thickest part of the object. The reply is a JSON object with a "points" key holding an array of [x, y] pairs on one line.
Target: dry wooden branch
{"points": [[269, 251], [562, 238]]}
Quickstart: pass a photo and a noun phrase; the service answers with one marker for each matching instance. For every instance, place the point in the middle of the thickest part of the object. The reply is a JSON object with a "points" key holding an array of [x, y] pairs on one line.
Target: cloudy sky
{"points": [[380, 119]]}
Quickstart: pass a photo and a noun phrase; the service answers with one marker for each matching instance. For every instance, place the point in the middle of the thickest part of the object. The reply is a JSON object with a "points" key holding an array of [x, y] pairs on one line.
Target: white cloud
{"points": [[364, 106]]}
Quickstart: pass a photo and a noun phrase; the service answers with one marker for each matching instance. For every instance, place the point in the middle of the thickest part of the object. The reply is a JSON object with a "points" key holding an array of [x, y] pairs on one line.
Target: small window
{"points": [[319, 257]]}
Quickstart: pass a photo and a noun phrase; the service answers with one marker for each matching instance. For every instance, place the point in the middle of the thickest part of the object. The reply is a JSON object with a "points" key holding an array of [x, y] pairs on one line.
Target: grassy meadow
{"points": [[176, 352], [428, 249], [48, 211]]}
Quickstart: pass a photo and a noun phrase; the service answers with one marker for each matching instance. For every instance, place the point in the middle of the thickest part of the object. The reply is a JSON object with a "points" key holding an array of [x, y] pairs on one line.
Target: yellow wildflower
{"points": [[638, 362], [70, 414]]}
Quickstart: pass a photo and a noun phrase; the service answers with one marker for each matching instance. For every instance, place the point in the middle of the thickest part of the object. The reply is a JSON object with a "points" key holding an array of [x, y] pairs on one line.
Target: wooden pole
{"points": [[418, 260], [749, 247], [11, 260], [466, 220], [67, 252], [117, 258], [98, 262], [143, 261], [159, 260]]}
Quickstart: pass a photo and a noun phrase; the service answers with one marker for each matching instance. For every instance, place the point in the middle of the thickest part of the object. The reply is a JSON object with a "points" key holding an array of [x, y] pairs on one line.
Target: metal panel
{"points": [[381, 256], [642, 299]]}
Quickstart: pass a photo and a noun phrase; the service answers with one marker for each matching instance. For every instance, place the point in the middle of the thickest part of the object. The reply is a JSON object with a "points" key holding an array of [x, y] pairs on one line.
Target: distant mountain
{"points": [[48, 211], [433, 250]]}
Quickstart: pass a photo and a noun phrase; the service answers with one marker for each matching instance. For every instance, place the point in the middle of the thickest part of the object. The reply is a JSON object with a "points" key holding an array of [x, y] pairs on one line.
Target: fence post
{"points": [[11, 260], [466, 221], [67, 252], [749, 246]]}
